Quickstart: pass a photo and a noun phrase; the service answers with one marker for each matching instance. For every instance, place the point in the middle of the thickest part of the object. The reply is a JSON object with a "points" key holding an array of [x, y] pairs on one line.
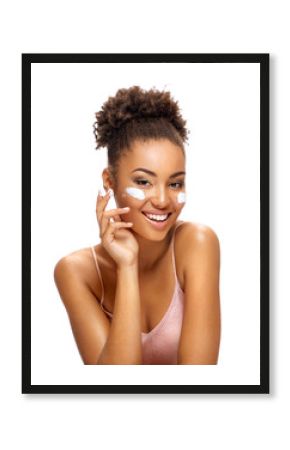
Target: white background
{"points": [[108, 421], [221, 103]]}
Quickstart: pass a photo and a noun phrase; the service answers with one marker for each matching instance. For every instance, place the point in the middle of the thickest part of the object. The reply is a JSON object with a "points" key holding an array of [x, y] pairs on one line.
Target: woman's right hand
{"points": [[115, 234]]}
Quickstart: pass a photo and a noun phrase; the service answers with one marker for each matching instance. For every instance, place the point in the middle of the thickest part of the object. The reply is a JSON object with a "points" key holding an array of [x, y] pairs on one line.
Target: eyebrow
{"points": [[175, 174]]}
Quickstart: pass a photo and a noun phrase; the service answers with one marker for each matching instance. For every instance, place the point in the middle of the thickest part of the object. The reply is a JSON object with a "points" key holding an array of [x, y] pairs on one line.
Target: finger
{"points": [[102, 201], [109, 217], [102, 198], [109, 234], [116, 211], [117, 217]]}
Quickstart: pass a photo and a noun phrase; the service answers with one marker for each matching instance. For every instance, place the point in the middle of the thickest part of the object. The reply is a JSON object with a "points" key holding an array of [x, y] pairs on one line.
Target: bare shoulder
{"points": [[190, 233], [80, 265], [195, 240]]}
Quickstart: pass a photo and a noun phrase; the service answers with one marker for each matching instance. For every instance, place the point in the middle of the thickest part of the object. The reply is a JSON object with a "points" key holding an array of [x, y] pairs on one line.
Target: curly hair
{"points": [[135, 114]]}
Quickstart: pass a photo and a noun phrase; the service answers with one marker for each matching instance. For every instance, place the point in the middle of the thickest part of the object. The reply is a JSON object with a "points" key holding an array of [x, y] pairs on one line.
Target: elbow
{"points": [[119, 361], [197, 362], [199, 358], [123, 360]]}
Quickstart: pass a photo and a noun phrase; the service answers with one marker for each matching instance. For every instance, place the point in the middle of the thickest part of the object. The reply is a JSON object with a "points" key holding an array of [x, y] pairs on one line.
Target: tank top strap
{"points": [[99, 273], [173, 252], [102, 284]]}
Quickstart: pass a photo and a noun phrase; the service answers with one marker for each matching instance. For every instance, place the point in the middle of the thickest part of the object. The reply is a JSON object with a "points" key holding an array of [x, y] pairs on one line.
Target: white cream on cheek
{"points": [[135, 193], [140, 195], [181, 197]]}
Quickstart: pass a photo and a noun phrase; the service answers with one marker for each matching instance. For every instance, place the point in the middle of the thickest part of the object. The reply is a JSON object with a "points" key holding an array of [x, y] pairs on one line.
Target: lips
{"points": [[156, 211], [158, 221], [157, 217]]}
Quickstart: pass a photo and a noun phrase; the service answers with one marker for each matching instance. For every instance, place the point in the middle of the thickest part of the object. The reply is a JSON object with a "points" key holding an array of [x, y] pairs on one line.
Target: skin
{"points": [[134, 259]]}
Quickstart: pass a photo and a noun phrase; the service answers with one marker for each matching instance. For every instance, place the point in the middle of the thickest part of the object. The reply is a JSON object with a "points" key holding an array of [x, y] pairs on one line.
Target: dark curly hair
{"points": [[135, 114]]}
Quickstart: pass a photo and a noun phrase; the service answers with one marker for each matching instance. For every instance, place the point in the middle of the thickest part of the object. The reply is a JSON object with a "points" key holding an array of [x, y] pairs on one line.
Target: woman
{"points": [[149, 292]]}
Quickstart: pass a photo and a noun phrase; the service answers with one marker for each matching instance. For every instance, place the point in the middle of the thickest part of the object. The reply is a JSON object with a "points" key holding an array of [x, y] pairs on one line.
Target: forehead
{"points": [[156, 155]]}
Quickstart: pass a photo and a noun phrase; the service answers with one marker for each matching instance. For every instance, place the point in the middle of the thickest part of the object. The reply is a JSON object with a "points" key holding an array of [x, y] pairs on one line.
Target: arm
{"points": [[98, 341], [123, 345], [200, 335]]}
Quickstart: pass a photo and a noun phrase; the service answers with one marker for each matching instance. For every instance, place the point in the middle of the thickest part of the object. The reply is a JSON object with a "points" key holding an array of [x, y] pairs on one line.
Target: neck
{"points": [[150, 252]]}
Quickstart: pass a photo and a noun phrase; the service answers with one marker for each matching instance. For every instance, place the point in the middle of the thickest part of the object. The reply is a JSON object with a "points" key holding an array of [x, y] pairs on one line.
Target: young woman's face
{"points": [[151, 181]]}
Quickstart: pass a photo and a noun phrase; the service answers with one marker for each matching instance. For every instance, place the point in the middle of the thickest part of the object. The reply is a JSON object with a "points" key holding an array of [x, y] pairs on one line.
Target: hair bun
{"points": [[136, 103]]}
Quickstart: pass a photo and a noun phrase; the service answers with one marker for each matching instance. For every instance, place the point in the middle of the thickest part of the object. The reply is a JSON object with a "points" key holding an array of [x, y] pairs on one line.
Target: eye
{"points": [[177, 185], [141, 182]]}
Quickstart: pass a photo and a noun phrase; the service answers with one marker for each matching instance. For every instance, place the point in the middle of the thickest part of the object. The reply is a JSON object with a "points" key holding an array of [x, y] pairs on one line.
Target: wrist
{"points": [[127, 267]]}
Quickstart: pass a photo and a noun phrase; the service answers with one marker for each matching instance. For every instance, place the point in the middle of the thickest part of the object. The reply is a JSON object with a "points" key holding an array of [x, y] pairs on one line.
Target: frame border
{"points": [[263, 60]]}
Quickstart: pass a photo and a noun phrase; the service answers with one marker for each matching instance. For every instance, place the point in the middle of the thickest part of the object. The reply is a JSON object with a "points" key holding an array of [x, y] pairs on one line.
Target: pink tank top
{"points": [[160, 345]]}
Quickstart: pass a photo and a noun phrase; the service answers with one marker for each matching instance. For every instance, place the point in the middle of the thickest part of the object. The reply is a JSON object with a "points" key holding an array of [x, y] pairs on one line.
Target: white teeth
{"points": [[157, 216]]}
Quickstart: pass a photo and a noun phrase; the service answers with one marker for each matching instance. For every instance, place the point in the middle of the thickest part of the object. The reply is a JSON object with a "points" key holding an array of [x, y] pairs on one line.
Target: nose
{"points": [[160, 197]]}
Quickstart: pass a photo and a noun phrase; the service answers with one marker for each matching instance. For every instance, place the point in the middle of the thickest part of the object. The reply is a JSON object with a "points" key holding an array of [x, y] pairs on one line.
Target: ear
{"points": [[107, 179]]}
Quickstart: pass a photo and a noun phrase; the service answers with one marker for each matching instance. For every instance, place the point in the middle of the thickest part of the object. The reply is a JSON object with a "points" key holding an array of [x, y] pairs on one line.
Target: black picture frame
{"points": [[263, 60]]}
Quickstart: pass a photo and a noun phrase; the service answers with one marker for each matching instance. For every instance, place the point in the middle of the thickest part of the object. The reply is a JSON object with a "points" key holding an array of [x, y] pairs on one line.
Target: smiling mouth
{"points": [[157, 217]]}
